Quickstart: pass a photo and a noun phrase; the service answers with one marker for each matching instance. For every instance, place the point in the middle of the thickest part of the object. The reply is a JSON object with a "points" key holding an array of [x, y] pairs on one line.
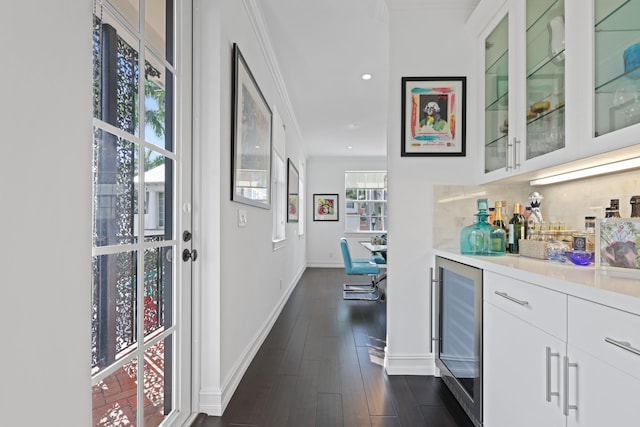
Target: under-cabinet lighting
{"points": [[585, 173]]}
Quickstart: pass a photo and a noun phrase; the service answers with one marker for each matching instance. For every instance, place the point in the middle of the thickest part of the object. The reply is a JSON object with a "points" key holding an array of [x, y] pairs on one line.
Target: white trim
{"points": [[323, 264], [409, 364], [214, 401]]}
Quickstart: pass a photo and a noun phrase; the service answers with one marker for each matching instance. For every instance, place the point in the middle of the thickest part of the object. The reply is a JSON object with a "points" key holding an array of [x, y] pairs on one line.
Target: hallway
{"points": [[321, 365]]}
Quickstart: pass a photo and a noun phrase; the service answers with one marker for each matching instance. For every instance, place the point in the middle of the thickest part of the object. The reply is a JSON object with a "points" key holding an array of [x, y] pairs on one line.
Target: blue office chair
{"points": [[359, 267]]}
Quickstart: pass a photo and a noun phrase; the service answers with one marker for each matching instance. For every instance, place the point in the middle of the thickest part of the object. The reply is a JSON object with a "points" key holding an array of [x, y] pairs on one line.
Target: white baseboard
{"points": [[409, 364], [214, 401], [324, 264]]}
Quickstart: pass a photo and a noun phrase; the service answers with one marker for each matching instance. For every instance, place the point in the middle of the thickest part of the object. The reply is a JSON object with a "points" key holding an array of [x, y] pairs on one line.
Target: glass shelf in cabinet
{"points": [[623, 17], [499, 104], [547, 114], [500, 67], [618, 82], [548, 66], [501, 139], [540, 13]]}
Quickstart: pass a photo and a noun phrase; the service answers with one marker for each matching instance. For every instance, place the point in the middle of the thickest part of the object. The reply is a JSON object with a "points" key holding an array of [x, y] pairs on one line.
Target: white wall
{"points": [[424, 42], [45, 258], [242, 282], [326, 176]]}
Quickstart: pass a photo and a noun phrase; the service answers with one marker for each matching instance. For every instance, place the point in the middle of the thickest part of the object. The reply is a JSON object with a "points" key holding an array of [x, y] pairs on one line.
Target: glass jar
{"points": [[482, 238]]}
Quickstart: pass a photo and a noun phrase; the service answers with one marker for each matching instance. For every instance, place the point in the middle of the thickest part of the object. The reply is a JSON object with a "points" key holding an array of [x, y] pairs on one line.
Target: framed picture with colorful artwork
{"points": [[433, 116], [293, 193], [325, 207]]}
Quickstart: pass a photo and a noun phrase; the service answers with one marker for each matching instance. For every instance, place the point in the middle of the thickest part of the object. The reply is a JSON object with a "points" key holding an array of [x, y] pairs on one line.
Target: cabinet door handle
{"points": [[567, 406], [623, 345], [510, 298], [549, 392], [516, 143], [506, 156]]}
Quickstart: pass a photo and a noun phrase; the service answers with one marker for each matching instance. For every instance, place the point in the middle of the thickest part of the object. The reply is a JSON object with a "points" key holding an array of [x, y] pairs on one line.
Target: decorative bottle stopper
{"points": [[535, 199]]}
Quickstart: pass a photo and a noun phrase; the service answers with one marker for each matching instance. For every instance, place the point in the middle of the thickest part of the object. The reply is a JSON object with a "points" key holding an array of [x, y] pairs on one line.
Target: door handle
{"points": [[623, 345], [187, 254], [510, 298], [549, 392], [568, 365]]}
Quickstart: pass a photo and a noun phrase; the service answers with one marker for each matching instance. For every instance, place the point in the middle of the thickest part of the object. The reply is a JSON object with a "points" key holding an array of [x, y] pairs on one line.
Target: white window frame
{"points": [[367, 181]]}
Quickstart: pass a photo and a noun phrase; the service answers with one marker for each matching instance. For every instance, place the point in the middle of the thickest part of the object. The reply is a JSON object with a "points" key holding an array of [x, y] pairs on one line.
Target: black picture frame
{"points": [[251, 138], [433, 116], [325, 207], [293, 192]]}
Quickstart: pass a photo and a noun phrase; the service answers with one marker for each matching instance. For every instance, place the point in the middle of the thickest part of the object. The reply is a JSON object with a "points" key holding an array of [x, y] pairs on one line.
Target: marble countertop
{"points": [[614, 289]]}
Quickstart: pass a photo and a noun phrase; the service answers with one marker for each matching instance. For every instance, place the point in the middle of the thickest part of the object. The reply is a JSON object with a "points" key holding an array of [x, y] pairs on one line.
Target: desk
{"points": [[379, 249]]}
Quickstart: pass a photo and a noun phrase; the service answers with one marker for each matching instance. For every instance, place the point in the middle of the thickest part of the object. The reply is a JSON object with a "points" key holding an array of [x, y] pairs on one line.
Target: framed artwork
{"points": [[325, 207], [293, 192], [433, 116], [250, 137], [617, 244]]}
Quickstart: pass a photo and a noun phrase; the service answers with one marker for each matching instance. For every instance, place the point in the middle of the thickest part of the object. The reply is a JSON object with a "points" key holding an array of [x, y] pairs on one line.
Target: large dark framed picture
{"points": [[433, 116], [293, 193], [251, 138]]}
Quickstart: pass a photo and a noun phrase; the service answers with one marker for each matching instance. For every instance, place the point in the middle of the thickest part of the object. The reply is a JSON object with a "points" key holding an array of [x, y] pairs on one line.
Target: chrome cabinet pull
{"points": [[567, 406], [506, 156], [516, 143], [549, 392], [623, 345], [510, 298]]}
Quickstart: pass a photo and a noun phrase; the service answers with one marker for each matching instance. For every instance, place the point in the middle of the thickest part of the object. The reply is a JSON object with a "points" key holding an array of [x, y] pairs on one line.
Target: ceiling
{"points": [[323, 48]]}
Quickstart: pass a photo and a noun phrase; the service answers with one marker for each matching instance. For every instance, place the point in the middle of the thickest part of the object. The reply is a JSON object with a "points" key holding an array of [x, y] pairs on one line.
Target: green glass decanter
{"points": [[483, 238]]}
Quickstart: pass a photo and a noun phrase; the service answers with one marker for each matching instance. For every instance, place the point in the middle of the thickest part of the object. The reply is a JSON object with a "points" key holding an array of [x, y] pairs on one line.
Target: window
{"points": [[366, 201], [279, 189]]}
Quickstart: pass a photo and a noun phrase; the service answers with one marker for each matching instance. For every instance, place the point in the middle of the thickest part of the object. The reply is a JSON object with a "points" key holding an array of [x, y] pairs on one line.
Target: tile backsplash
{"points": [[569, 202]]}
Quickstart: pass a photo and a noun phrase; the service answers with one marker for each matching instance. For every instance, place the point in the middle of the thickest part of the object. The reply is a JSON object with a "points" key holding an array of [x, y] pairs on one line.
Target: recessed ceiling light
{"points": [[366, 76], [349, 147]]}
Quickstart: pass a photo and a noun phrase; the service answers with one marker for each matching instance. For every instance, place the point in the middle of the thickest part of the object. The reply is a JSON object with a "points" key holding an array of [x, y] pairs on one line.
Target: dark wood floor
{"points": [[321, 365]]}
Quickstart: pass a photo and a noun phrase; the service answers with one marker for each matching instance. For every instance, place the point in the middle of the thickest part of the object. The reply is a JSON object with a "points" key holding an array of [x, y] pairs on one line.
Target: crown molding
{"points": [[433, 4], [264, 41]]}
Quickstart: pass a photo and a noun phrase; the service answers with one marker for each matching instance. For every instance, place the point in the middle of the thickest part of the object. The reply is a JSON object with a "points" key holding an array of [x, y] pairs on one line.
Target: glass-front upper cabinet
{"points": [[496, 97], [545, 77], [616, 65]]}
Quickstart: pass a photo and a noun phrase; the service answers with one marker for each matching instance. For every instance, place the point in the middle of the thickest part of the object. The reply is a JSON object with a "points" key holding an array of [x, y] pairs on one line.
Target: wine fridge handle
{"points": [[432, 280]]}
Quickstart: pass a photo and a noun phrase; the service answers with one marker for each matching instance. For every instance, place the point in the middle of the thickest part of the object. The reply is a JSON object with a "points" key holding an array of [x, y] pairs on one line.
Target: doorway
{"points": [[141, 210]]}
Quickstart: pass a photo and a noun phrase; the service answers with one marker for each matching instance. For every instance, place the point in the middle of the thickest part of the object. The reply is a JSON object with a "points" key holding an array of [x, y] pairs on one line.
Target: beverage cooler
{"points": [[458, 333]]}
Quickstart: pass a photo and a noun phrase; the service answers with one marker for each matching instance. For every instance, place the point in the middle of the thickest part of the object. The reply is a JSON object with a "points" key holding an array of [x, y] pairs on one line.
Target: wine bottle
{"points": [[515, 230]]}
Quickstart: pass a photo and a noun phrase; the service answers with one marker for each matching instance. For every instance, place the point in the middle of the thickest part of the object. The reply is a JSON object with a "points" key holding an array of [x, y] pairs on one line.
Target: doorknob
{"points": [[186, 235], [187, 254]]}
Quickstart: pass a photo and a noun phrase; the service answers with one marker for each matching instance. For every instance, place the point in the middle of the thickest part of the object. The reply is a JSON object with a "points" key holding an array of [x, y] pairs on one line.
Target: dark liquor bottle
{"points": [[635, 206], [515, 230]]}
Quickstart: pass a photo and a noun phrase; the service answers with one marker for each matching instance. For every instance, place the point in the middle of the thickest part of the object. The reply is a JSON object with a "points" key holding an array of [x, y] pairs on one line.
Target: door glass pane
{"points": [[114, 398], [129, 9], [114, 308], [617, 65], [496, 96], [157, 289], [115, 74], [157, 397], [545, 77], [157, 88], [115, 194], [159, 27], [158, 206]]}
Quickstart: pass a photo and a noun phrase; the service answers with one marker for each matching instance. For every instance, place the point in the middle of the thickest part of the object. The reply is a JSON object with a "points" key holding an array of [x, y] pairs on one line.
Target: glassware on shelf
{"points": [[482, 238]]}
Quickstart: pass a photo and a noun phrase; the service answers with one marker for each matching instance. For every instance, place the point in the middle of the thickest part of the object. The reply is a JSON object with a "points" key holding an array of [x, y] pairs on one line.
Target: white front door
{"points": [[141, 207]]}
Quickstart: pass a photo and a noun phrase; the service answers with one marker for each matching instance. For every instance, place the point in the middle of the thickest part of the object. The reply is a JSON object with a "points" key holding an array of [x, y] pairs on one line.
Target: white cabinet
{"points": [[603, 376], [551, 359], [524, 345], [522, 64], [612, 84]]}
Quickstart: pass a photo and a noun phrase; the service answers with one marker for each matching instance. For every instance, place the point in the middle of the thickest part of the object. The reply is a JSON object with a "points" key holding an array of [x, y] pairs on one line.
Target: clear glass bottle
{"points": [[482, 238], [635, 206]]}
